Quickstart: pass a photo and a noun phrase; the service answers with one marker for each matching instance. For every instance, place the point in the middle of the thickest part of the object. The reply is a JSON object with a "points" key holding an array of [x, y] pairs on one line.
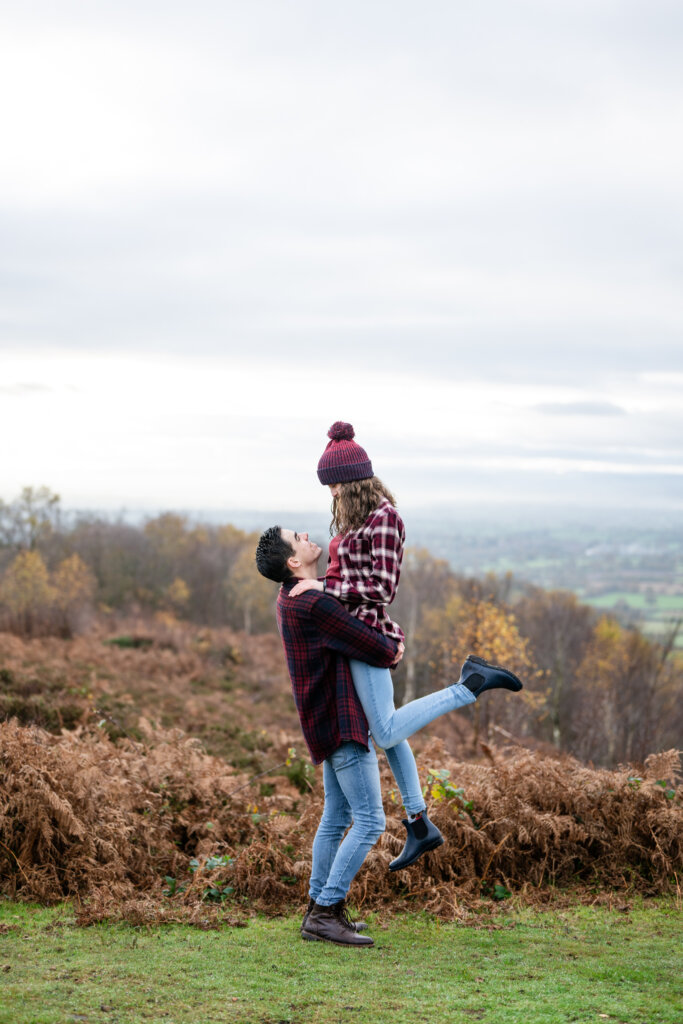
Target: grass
{"points": [[579, 965]]}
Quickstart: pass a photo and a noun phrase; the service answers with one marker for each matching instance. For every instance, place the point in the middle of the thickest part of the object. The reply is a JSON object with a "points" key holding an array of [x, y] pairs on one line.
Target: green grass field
{"points": [[668, 603], [658, 615], [580, 965]]}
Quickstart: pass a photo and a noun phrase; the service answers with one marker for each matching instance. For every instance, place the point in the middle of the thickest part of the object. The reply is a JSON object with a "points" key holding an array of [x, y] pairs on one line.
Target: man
{"points": [[319, 636]]}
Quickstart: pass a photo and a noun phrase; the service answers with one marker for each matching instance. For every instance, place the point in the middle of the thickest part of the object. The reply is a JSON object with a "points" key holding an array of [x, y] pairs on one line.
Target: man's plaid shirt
{"points": [[370, 563], [318, 636]]}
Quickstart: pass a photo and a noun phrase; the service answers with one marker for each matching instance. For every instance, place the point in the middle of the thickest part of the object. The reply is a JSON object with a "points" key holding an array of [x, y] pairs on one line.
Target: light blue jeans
{"points": [[390, 727], [352, 794]]}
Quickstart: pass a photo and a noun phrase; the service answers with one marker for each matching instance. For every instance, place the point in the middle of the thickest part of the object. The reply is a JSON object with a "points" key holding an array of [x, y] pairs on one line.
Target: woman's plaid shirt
{"points": [[319, 635], [370, 564]]}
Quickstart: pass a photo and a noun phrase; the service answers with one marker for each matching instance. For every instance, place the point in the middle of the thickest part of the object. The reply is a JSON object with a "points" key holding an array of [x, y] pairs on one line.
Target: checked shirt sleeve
{"points": [[349, 637], [379, 578]]}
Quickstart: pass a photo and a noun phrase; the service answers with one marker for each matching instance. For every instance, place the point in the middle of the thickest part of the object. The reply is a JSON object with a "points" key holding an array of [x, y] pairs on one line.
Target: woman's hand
{"points": [[303, 585], [399, 654]]}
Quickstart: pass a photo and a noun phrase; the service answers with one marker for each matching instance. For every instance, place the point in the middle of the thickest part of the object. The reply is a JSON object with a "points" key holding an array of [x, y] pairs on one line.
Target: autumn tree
{"points": [[30, 519], [74, 587], [464, 627], [169, 564], [630, 691], [559, 629], [177, 596], [169, 544], [216, 552], [492, 587], [26, 595], [426, 582], [118, 555], [251, 597]]}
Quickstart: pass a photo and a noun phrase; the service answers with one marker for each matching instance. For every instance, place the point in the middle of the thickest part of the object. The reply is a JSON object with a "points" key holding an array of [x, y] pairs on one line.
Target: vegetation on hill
{"points": [[593, 688], [148, 758]]}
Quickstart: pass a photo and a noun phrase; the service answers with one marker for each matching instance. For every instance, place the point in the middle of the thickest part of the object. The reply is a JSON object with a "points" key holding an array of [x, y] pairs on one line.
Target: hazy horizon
{"points": [[474, 518]]}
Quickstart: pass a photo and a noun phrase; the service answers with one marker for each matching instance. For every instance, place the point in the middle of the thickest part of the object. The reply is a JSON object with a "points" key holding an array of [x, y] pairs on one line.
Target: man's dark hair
{"points": [[272, 553]]}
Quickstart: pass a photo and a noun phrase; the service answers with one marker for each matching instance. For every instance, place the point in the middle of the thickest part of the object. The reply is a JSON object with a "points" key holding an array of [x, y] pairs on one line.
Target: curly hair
{"points": [[357, 499]]}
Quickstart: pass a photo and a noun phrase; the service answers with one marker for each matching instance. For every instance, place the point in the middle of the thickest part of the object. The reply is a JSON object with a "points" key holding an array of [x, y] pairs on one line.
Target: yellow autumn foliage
{"points": [[178, 594], [247, 589], [32, 601], [74, 583], [25, 589], [465, 627]]}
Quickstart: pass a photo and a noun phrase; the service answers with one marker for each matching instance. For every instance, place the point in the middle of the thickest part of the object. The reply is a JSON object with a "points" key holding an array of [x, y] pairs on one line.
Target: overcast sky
{"points": [[458, 225]]}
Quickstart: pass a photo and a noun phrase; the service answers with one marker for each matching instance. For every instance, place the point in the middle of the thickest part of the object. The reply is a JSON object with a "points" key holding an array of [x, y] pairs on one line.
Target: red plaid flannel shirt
{"points": [[318, 635], [370, 564]]}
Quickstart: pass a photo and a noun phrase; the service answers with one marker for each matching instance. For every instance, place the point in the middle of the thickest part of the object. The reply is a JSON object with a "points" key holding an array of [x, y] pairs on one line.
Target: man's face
{"points": [[306, 552]]}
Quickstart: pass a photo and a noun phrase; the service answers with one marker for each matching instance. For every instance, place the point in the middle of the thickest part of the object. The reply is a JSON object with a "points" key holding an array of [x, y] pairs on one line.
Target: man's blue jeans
{"points": [[389, 726], [352, 794]]}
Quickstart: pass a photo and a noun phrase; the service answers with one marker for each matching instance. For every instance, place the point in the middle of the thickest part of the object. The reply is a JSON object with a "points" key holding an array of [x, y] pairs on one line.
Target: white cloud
{"points": [[447, 221]]}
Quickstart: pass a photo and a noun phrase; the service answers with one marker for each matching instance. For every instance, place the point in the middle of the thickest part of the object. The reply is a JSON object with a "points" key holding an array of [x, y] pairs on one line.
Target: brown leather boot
{"points": [[332, 924], [360, 926]]}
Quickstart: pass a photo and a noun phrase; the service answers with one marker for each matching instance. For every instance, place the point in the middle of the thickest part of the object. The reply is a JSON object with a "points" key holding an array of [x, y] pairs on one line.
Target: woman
{"points": [[363, 573]]}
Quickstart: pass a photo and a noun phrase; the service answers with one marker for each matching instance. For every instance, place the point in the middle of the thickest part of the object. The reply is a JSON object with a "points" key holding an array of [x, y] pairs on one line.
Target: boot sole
{"points": [[432, 846], [476, 660], [311, 937], [360, 926]]}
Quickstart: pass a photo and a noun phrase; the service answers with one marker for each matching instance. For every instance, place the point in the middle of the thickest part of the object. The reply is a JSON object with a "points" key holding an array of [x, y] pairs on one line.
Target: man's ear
{"points": [[293, 562]]}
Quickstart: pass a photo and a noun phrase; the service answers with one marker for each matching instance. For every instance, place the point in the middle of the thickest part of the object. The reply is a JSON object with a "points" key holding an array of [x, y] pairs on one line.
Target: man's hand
{"points": [[399, 654], [303, 585]]}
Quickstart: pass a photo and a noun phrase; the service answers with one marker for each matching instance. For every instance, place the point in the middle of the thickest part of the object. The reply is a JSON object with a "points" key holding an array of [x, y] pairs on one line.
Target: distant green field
{"points": [[657, 629], [615, 597], [657, 616], [670, 603]]}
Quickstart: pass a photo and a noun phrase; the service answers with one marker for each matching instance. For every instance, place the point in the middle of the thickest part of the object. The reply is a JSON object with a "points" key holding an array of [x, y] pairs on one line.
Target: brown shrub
{"points": [[109, 823], [229, 690]]}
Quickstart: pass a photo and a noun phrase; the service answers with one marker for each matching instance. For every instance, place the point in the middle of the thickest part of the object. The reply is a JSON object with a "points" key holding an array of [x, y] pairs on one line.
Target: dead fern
{"points": [[108, 823]]}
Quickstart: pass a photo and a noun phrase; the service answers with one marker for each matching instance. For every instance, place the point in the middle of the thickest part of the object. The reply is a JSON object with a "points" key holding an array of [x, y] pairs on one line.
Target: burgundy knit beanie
{"points": [[343, 459]]}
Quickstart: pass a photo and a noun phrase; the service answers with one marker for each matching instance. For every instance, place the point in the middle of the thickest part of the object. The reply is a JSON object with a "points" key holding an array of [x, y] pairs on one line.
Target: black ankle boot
{"points": [[479, 675], [423, 836]]}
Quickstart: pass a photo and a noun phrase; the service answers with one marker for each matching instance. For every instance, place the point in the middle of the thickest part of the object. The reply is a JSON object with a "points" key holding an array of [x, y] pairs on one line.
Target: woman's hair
{"points": [[357, 499]]}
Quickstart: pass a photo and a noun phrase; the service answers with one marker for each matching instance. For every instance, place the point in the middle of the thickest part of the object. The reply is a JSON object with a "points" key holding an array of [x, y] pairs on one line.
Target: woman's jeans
{"points": [[352, 793], [390, 727]]}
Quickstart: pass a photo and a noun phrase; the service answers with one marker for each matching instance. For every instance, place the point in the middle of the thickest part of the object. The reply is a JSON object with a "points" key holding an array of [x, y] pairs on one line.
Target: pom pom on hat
{"points": [[341, 431], [343, 459]]}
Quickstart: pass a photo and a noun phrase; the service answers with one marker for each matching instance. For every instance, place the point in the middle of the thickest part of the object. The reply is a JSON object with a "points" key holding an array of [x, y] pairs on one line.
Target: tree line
{"points": [[197, 572], [593, 688]]}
